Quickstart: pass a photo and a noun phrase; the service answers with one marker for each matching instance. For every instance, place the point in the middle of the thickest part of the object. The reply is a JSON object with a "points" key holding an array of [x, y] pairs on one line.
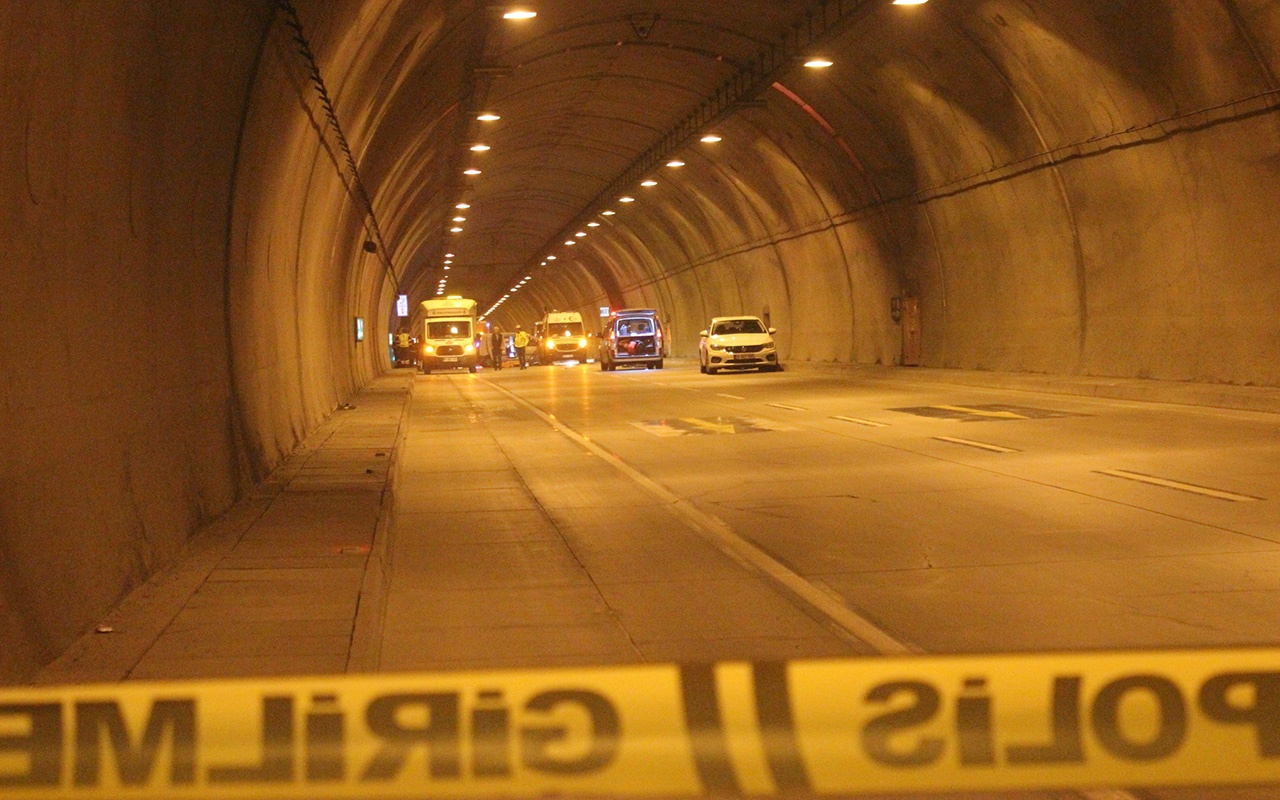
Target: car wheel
{"points": [[659, 364], [472, 369], [712, 370]]}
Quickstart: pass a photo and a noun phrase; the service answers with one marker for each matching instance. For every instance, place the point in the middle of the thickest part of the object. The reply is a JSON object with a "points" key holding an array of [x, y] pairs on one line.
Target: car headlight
{"points": [[550, 345], [469, 349], [582, 343], [428, 350]]}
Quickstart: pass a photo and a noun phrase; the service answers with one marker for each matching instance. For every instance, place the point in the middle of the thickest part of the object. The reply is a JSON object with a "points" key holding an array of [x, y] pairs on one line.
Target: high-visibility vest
{"points": [[522, 339]]}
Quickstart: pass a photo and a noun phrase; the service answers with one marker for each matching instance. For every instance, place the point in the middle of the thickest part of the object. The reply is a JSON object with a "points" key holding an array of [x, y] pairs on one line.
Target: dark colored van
{"points": [[633, 336]]}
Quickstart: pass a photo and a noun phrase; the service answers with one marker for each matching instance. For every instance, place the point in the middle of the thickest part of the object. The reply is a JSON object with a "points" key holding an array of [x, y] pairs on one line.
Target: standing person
{"points": [[522, 341], [495, 347], [404, 348]]}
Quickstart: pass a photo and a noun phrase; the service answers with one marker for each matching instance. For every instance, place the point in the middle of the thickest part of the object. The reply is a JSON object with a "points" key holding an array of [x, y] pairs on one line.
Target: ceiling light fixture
{"points": [[593, 224], [520, 13], [459, 219], [580, 234], [711, 138], [607, 213], [626, 199], [675, 162], [649, 183], [819, 63], [472, 171], [455, 229], [488, 116]]}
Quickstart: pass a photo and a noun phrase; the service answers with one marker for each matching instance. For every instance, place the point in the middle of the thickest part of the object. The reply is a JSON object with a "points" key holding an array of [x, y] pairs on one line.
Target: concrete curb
{"points": [[1211, 395], [366, 635]]}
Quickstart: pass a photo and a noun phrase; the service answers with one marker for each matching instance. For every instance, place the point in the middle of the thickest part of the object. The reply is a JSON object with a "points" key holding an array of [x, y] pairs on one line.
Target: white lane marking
{"points": [[1180, 486], [868, 423], [730, 396], [995, 448], [847, 622], [786, 407], [978, 412]]}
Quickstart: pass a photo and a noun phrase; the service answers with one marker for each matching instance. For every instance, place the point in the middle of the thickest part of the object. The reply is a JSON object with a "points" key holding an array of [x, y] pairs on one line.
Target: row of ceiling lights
{"points": [[816, 62], [515, 14]]}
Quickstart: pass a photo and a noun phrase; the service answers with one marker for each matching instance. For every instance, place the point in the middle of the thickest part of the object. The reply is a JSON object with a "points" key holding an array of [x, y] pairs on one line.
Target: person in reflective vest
{"points": [[522, 341]]}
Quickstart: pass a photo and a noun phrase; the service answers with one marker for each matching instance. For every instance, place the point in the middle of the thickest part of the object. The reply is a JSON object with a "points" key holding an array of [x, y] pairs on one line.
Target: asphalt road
{"points": [[566, 516]]}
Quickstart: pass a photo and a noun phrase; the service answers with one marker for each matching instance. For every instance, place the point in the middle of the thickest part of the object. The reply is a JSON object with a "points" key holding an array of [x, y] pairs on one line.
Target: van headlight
{"points": [[469, 349], [582, 343], [428, 350]]}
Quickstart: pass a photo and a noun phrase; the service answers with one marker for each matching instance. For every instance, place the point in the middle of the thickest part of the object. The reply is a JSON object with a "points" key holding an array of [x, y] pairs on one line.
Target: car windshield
{"points": [[641, 326], [730, 327], [451, 329], [565, 329]]}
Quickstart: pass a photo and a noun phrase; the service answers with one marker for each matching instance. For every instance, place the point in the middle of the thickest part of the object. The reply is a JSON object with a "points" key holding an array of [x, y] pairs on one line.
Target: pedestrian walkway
{"points": [[274, 586]]}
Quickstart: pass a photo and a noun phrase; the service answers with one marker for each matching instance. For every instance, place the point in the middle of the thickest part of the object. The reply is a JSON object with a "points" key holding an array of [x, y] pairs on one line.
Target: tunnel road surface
{"points": [[563, 516]]}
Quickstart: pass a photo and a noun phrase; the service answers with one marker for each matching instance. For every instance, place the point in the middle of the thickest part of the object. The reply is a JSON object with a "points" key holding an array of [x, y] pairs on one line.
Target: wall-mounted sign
{"points": [[604, 311], [359, 329], [402, 305]]}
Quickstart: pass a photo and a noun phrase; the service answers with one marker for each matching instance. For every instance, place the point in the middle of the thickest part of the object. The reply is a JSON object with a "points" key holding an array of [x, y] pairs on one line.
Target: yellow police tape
{"points": [[838, 726]]}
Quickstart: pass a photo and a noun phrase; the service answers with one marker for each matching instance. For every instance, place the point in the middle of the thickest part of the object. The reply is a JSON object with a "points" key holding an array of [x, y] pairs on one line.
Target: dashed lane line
{"points": [[730, 396], [1178, 485], [994, 448], [864, 422], [786, 407]]}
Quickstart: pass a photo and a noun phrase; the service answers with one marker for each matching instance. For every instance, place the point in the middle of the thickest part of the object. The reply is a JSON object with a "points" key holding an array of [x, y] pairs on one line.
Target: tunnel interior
{"points": [[204, 198]]}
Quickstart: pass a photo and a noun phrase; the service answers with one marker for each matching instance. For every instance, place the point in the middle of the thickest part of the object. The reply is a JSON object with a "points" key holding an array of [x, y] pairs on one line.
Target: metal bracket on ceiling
{"points": [[643, 24]]}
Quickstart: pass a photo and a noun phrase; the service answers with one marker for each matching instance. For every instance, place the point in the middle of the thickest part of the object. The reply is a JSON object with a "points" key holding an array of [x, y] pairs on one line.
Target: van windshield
{"points": [[564, 329], [451, 329], [731, 327]]}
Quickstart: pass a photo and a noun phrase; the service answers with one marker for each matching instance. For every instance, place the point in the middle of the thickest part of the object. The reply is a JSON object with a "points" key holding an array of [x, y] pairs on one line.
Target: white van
{"points": [[449, 334], [563, 337]]}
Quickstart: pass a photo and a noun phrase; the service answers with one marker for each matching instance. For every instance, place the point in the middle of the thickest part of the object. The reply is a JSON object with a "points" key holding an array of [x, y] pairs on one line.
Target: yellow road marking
{"points": [[980, 413]]}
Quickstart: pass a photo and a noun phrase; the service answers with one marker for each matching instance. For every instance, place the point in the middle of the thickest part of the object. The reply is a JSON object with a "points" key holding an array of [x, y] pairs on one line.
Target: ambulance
{"points": [[450, 334]]}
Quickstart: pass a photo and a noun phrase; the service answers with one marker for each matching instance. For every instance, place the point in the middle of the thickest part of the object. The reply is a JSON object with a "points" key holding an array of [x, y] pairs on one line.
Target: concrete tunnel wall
{"points": [[182, 271], [1070, 190]]}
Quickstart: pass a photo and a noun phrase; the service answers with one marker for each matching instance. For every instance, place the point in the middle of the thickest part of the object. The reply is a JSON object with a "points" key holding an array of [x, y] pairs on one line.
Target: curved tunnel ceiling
{"points": [[583, 90]]}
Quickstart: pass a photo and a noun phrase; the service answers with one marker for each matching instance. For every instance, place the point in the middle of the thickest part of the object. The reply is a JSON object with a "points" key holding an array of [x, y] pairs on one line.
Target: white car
{"points": [[737, 343]]}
